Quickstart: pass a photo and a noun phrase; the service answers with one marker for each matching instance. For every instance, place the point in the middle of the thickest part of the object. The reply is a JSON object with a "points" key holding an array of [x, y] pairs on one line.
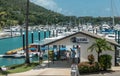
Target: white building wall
{"points": [[84, 52]]}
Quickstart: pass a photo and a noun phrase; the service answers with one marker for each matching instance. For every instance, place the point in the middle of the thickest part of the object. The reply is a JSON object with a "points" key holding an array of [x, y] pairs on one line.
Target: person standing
{"points": [[67, 56], [73, 55], [41, 57], [78, 53]]}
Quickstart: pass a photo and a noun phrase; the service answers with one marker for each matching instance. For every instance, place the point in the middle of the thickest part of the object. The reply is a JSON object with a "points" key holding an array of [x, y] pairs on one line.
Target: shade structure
{"points": [[32, 49], [43, 48], [63, 49], [73, 50], [50, 48]]}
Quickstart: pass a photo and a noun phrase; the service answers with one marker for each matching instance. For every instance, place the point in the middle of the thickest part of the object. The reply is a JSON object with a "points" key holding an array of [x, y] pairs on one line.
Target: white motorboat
{"points": [[110, 36]]}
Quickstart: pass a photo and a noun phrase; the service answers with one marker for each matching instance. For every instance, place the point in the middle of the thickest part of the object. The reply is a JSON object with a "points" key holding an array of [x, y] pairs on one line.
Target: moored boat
{"points": [[12, 56]]}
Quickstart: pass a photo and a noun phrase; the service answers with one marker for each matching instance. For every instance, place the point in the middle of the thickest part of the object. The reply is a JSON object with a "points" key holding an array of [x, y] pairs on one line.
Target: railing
{"points": [[74, 70]]}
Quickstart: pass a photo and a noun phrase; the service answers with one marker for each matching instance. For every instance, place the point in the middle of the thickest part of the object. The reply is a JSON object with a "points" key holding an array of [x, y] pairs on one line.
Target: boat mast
{"points": [[113, 18]]}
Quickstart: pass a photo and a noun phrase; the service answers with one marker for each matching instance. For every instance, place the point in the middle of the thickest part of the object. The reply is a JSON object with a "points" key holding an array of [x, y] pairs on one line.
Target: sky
{"points": [[95, 8]]}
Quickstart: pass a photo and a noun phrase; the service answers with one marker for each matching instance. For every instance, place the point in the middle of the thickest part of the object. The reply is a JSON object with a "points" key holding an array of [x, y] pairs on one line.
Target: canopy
{"points": [[43, 48], [63, 49], [32, 49], [72, 49]]}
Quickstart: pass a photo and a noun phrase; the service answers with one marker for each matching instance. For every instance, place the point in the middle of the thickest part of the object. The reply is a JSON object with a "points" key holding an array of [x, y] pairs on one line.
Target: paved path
{"points": [[117, 73], [56, 72], [59, 68], [116, 68]]}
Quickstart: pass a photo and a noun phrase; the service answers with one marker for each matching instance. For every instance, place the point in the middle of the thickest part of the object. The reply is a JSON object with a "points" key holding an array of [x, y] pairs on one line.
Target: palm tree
{"points": [[99, 46], [27, 51]]}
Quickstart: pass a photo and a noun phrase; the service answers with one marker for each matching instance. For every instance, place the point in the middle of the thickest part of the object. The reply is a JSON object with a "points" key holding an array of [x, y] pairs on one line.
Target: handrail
{"points": [[78, 71], [74, 70]]}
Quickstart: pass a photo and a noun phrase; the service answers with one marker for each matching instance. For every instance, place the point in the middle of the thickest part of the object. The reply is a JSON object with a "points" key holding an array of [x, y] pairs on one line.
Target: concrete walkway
{"points": [[115, 71], [58, 68], [61, 68], [116, 68]]}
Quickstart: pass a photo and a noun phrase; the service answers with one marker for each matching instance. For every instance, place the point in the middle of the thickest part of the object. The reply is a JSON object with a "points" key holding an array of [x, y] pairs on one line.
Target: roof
{"points": [[55, 39], [97, 36]]}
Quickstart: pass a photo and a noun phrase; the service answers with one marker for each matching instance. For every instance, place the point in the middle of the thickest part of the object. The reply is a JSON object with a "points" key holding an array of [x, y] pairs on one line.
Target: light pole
{"points": [[32, 37], [56, 33], [39, 35], [23, 36], [44, 34], [27, 52], [49, 33]]}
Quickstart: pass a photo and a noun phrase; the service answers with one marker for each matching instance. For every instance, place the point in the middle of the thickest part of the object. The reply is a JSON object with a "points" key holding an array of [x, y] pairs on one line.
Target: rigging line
{"points": [[112, 10], [119, 6], [115, 8]]}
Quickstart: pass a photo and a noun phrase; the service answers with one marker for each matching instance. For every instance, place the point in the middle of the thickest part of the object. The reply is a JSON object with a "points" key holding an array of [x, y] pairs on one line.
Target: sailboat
{"points": [[111, 34]]}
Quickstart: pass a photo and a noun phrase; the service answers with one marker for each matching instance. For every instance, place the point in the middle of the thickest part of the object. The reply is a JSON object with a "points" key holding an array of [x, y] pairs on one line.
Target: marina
{"points": [[17, 52], [15, 44], [12, 56], [49, 38]]}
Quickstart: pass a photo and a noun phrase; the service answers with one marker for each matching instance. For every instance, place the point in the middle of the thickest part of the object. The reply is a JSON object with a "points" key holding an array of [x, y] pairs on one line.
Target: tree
{"points": [[27, 23], [105, 62], [2, 18], [99, 46]]}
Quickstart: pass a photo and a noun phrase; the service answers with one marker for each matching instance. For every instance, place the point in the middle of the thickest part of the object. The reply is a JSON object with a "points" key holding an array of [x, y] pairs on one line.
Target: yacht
{"points": [[110, 36]]}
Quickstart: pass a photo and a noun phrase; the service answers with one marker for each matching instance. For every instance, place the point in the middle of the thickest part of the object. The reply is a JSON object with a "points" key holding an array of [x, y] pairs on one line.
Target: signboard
{"points": [[79, 40]]}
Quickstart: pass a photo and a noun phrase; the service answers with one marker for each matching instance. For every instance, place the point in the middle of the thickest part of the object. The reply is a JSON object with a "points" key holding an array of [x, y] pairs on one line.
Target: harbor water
{"points": [[8, 44]]}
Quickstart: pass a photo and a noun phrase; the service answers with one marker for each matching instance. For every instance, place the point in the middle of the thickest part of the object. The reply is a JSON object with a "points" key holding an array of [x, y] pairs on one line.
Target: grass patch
{"points": [[19, 68]]}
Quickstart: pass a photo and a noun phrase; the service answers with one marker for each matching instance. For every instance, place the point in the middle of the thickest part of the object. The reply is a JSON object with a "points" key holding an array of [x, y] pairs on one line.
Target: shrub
{"points": [[85, 67], [91, 58], [51, 55], [105, 61]]}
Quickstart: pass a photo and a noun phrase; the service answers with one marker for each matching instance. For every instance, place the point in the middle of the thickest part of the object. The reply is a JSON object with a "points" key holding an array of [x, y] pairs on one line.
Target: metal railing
{"points": [[74, 70]]}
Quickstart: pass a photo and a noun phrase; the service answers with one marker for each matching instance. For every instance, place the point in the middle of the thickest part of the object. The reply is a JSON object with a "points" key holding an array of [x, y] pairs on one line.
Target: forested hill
{"points": [[13, 12]]}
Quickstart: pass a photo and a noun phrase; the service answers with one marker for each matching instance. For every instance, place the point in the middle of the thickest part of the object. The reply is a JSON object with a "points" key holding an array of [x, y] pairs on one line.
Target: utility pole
{"points": [[27, 21]]}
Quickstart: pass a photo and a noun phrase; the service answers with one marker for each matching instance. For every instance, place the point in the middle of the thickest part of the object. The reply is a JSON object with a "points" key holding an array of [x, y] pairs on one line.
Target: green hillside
{"points": [[13, 12]]}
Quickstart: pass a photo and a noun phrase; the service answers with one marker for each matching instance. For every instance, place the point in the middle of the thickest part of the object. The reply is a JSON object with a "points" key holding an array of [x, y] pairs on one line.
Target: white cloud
{"points": [[49, 4], [107, 9]]}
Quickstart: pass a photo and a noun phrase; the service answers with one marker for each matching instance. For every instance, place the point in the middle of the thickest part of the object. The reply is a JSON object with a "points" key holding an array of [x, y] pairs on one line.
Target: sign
{"points": [[79, 40]]}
